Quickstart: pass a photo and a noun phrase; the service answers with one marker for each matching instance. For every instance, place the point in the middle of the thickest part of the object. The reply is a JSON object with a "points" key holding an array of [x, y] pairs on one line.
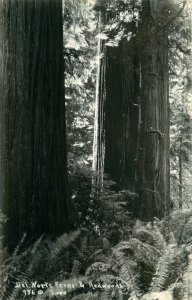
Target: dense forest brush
{"points": [[151, 258]]}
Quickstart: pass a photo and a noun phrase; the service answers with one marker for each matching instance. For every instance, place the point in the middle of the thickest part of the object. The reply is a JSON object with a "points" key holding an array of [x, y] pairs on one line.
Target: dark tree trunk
{"points": [[135, 115], [121, 115], [154, 188], [34, 136]]}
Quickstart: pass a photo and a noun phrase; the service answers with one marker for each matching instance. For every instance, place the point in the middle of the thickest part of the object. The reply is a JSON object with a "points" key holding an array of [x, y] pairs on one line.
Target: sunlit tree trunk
{"points": [[34, 137], [98, 143]]}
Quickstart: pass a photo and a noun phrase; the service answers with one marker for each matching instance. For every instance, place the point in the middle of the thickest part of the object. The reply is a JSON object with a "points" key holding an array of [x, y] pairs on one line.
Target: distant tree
{"points": [[35, 197]]}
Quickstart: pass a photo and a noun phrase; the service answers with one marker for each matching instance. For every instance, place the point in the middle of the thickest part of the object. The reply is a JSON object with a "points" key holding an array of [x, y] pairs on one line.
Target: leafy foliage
{"points": [[180, 105], [80, 51]]}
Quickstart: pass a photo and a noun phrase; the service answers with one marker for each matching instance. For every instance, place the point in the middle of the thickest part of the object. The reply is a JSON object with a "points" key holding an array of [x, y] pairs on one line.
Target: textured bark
{"points": [[121, 115], [1, 97], [154, 189], [34, 153], [135, 115]]}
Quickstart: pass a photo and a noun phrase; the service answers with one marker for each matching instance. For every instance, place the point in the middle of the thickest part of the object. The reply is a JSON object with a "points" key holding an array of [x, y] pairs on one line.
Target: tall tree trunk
{"points": [[34, 136], [1, 146], [98, 144], [154, 189], [121, 114], [135, 114]]}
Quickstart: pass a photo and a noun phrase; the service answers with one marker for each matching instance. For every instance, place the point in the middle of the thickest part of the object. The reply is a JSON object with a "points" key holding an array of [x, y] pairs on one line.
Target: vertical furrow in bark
{"points": [[163, 100], [34, 134], [133, 113], [154, 192], [122, 114]]}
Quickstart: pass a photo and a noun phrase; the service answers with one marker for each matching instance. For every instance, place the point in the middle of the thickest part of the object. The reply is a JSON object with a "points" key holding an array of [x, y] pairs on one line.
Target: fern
{"points": [[19, 246], [163, 269], [39, 253], [98, 268], [186, 235], [75, 268], [152, 236], [127, 272], [177, 224], [71, 286], [148, 261], [63, 242], [11, 269], [141, 251], [33, 263]]}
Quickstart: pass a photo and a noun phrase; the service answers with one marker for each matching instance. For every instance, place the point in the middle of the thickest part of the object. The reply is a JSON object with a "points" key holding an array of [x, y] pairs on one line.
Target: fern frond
{"points": [[107, 295], [98, 268], [38, 252], [186, 236], [12, 272], [163, 269], [63, 242], [69, 285], [178, 223], [127, 272], [75, 268], [19, 246], [151, 236], [141, 251]]}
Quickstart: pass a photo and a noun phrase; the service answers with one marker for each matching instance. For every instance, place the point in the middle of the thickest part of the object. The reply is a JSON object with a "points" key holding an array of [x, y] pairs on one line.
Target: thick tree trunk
{"points": [[154, 188], [34, 137], [1, 146], [121, 115], [135, 115]]}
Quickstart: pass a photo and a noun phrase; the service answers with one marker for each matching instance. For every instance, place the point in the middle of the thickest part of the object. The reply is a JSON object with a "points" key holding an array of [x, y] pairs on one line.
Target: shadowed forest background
{"points": [[95, 135]]}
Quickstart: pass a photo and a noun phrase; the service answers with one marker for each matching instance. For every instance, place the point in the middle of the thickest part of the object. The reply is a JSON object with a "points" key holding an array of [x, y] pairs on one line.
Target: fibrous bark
{"points": [[154, 185], [121, 115], [135, 114], [34, 136]]}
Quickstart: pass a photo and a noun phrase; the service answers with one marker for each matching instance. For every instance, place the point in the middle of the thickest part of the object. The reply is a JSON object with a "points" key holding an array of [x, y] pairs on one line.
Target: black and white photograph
{"points": [[95, 150]]}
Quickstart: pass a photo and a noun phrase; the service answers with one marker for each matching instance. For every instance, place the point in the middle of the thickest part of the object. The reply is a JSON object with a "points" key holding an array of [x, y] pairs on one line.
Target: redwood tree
{"points": [[35, 197], [135, 113], [154, 190]]}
